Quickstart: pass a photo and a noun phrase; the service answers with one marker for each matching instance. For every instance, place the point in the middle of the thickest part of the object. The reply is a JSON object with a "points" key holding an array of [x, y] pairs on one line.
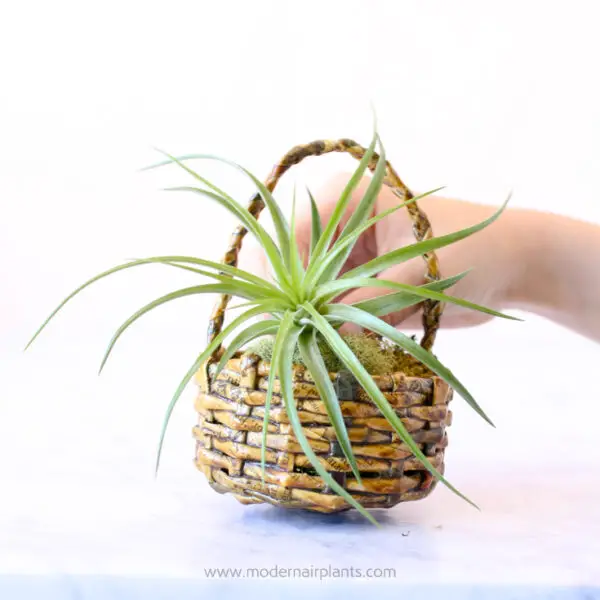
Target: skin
{"points": [[536, 262]]}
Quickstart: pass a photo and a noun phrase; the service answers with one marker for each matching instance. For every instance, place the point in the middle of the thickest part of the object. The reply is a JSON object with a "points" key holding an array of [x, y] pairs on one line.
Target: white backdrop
{"points": [[479, 96]]}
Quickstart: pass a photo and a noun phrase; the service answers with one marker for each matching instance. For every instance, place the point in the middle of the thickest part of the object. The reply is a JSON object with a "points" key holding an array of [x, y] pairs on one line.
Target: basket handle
{"points": [[432, 310]]}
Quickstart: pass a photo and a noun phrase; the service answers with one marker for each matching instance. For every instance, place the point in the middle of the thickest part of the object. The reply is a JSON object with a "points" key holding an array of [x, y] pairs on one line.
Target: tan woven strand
{"points": [[421, 227], [229, 438]]}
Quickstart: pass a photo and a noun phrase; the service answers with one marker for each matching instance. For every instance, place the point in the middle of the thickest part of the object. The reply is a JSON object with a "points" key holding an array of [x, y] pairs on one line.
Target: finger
{"points": [[411, 318], [253, 258], [326, 198], [410, 272]]}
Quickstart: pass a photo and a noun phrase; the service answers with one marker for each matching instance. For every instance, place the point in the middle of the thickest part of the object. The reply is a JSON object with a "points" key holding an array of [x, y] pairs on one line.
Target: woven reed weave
{"points": [[229, 438], [231, 407]]}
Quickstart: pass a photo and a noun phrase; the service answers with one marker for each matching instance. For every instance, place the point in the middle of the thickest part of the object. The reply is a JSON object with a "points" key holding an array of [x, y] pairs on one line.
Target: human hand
{"points": [[494, 255]]}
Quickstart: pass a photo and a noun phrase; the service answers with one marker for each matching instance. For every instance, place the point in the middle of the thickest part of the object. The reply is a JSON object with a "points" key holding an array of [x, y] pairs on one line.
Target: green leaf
{"points": [[220, 288], [128, 265], [341, 285], [261, 290], [355, 315], [286, 325], [287, 391], [179, 162], [322, 246], [367, 202], [281, 225], [242, 305], [202, 357], [346, 355], [228, 269], [316, 227], [346, 242], [251, 224], [418, 249], [295, 262], [360, 214], [256, 330], [269, 293], [389, 303], [312, 358]]}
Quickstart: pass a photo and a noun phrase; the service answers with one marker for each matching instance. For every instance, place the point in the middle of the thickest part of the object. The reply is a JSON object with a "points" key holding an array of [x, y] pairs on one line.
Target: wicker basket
{"points": [[231, 407]]}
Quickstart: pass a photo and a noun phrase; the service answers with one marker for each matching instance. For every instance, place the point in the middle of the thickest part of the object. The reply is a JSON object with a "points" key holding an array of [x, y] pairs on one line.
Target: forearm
{"points": [[560, 276]]}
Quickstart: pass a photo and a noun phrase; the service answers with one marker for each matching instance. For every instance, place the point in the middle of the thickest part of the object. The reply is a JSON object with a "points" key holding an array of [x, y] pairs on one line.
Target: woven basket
{"points": [[231, 407]]}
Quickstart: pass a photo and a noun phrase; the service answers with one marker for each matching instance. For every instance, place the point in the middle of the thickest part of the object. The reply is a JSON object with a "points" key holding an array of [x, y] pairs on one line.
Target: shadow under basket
{"points": [[229, 438], [231, 406]]}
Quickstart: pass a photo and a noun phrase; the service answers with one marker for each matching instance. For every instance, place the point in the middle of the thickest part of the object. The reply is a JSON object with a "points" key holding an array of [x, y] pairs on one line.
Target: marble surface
{"points": [[81, 515], [78, 540]]}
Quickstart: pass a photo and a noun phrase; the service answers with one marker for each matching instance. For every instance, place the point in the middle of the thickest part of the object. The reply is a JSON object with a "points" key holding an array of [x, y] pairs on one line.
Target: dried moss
{"points": [[377, 356]]}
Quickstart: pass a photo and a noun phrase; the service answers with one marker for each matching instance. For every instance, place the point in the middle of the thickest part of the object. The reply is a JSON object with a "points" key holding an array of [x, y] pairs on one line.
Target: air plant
{"points": [[300, 303]]}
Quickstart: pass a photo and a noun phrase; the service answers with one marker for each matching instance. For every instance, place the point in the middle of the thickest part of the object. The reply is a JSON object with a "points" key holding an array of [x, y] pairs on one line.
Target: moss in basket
{"points": [[301, 306], [377, 356]]}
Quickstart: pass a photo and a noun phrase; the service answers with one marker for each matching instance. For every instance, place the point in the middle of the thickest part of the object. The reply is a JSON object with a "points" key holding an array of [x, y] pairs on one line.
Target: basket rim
{"points": [[242, 360]]}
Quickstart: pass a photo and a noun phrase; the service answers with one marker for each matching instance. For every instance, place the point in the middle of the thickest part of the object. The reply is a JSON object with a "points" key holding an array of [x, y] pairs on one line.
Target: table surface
{"points": [[81, 515]]}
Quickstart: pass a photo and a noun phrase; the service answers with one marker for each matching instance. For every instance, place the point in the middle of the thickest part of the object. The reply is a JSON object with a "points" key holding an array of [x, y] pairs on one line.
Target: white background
{"points": [[480, 96]]}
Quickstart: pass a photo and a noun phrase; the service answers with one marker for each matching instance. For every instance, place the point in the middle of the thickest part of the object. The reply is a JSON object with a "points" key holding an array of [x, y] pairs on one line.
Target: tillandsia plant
{"points": [[301, 308]]}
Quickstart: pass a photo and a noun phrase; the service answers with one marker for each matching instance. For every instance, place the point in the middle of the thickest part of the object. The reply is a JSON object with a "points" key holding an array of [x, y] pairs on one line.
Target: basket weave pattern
{"points": [[231, 406], [229, 438]]}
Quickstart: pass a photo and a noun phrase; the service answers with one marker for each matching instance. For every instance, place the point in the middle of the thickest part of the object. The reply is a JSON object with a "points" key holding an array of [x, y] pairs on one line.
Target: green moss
{"points": [[377, 356]]}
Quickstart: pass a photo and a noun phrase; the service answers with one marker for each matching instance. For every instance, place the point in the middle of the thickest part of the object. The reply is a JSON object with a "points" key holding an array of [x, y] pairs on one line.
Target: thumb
{"points": [[412, 273]]}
